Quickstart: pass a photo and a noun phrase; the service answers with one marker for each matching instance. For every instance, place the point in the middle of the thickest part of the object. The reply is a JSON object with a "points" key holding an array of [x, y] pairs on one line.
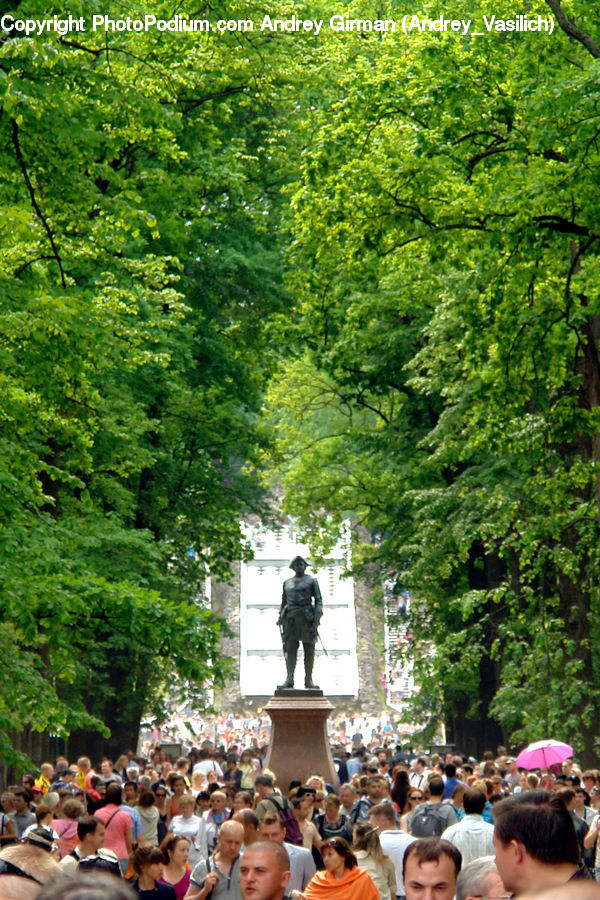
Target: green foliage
{"points": [[432, 349], [446, 338], [138, 270]]}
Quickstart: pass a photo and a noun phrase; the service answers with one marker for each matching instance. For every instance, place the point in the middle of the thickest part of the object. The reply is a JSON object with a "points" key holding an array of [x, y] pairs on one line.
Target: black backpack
{"points": [[99, 862], [426, 821]]}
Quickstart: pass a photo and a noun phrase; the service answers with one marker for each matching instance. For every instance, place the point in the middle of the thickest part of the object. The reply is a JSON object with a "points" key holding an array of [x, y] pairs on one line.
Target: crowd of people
{"points": [[215, 824], [190, 728]]}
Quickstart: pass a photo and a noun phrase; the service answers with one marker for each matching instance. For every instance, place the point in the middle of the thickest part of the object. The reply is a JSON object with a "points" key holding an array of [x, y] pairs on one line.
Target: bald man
{"points": [[219, 875], [264, 871], [249, 821]]}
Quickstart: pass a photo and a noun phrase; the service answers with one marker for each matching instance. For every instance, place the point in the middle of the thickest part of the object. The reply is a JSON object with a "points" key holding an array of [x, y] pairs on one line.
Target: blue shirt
{"points": [[137, 827], [449, 786]]}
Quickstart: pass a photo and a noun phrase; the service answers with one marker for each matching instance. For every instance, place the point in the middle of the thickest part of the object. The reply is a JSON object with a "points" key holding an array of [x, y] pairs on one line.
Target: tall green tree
{"points": [[447, 341], [139, 202]]}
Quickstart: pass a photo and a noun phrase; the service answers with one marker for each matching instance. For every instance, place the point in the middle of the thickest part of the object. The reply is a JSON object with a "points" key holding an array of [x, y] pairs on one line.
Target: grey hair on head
{"points": [[472, 879]]}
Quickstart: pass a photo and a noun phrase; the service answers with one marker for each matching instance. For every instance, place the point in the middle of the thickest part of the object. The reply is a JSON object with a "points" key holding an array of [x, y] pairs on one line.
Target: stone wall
{"points": [[369, 633], [225, 601]]}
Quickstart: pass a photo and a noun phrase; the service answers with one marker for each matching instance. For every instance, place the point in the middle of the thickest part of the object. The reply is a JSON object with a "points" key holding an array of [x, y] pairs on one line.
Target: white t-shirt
{"points": [[394, 843], [185, 827]]}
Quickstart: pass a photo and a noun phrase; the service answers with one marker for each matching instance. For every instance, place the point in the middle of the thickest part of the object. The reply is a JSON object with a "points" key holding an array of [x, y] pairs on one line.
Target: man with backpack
{"points": [[376, 793], [90, 833], [271, 802], [430, 819]]}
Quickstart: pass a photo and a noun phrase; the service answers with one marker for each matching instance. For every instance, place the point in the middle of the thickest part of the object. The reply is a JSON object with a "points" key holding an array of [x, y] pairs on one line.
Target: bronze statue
{"points": [[298, 620]]}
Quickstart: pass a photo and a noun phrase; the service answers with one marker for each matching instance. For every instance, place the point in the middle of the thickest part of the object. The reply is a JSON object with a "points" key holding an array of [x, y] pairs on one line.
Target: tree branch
{"points": [[498, 138], [556, 156], [30, 262], [573, 30], [491, 151], [193, 102], [34, 203], [77, 46], [573, 268], [559, 223]]}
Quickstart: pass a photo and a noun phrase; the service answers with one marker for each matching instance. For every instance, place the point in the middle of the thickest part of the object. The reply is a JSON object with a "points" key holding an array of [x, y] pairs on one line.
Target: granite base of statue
{"points": [[299, 744]]}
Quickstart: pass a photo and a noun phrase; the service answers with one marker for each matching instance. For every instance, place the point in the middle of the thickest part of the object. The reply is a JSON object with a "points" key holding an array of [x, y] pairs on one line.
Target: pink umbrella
{"points": [[542, 754]]}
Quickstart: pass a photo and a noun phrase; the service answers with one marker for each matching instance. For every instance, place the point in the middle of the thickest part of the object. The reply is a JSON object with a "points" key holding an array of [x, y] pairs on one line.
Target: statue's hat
{"points": [[297, 559]]}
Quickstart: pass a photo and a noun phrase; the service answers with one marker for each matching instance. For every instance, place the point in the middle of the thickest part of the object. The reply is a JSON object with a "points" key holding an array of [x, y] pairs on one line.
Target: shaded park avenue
{"points": [[339, 278]]}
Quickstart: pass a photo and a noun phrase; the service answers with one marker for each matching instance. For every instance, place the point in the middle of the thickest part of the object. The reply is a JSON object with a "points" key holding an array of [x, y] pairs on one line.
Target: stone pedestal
{"points": [[299, 744]]}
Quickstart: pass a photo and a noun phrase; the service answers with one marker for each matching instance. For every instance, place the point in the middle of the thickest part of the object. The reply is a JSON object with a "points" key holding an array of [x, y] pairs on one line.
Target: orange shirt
{"points": [[355, 884]]}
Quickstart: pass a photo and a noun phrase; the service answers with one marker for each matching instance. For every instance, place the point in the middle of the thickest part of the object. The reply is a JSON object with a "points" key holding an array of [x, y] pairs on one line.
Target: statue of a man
{"points": [[299, 617]]}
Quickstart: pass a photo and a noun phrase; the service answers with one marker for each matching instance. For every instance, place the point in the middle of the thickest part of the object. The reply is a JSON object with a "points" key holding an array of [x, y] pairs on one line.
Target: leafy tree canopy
{"points": [[444, 390], [139, 201]]}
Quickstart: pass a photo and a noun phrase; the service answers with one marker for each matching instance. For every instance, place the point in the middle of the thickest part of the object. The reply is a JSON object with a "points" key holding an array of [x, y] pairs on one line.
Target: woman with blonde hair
{"points": [[370, 857], [485, 786], [198, 783], [248, 769], [532, 781], [317, 782]]}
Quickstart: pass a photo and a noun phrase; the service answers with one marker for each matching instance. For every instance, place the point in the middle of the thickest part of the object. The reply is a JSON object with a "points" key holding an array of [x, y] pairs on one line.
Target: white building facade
{"points": [[262, 666]]}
